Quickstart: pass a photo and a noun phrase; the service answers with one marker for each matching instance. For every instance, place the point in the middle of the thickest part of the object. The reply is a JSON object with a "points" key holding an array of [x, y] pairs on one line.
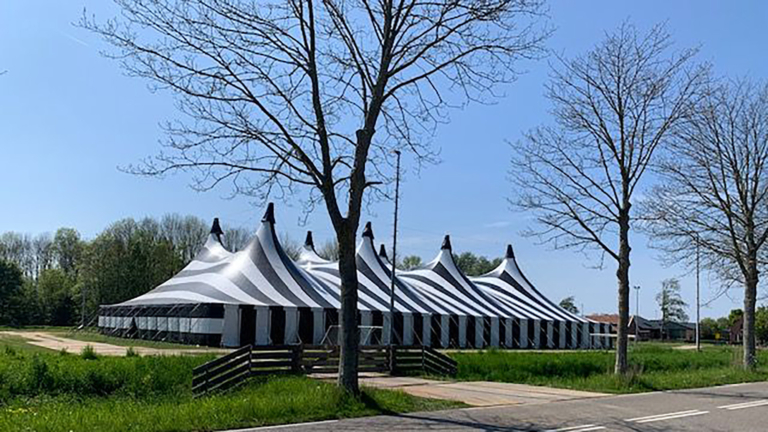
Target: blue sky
{"points": [[69, 118]]}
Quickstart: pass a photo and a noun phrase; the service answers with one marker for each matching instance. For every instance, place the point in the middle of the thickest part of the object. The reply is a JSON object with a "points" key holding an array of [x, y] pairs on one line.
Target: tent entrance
{"points": [[247, 325]]}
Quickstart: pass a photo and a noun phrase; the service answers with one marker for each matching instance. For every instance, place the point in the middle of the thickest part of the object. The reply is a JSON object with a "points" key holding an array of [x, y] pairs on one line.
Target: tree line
{"points": [[61, 279]]}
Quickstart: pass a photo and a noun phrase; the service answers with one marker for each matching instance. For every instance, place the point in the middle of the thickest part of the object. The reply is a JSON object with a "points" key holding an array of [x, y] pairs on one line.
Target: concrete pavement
{"points": [[741, 407]]}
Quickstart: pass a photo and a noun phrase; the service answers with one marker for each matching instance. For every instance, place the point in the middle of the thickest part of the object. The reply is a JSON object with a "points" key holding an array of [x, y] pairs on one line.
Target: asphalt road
{"points": [[741, 407]]}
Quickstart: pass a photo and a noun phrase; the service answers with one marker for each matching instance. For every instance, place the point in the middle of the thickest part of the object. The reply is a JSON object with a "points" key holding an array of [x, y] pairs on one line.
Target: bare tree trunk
{"points": [[348, 337], [622, 275], [750, 298]]}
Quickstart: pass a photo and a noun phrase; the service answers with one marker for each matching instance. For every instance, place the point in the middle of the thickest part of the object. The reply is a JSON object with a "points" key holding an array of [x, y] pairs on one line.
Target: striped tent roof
{"points": [[308, 255], [261, 275], [508, 283], [374, 280], [445, 284]]}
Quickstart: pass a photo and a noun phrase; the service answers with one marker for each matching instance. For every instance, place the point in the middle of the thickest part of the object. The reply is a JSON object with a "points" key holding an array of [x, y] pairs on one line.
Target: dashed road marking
{"points": [[569, 428], [582, 428], [743, 405], [668, 416]]}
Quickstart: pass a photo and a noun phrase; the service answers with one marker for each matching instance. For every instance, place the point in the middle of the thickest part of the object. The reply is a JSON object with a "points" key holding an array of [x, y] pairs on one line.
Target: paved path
{"points": [[742, 407], [477, 393], [57, 343]]}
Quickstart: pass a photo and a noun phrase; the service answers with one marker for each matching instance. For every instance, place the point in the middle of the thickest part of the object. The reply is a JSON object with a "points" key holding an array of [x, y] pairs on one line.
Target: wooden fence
{"points": [[236, 367]]}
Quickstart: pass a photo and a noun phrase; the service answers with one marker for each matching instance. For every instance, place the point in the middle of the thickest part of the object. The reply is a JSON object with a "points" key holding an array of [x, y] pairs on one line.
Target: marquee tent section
{"points": [[260, 296], [556, 326], [257, 295], [308, 255], [180, 309], [474, 316], [374, 288]]}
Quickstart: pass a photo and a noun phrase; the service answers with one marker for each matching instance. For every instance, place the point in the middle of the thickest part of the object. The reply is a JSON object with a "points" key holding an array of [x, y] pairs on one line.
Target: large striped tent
{"points": [[563, 328], [259, 295]]}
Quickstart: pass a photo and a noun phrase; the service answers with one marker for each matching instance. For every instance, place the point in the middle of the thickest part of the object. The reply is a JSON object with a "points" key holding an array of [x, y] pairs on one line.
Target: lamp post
{"points": [[698, 297], [394, 263], [637, 310]]}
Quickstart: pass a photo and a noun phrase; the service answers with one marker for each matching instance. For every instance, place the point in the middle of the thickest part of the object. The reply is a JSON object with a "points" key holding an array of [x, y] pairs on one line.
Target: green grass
{"points": [[652, 367], [273, 401], [48, 391]]}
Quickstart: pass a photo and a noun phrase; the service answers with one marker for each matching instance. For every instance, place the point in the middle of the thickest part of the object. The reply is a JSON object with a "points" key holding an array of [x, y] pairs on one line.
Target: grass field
{"points": [[653, 367], [41, 390]]}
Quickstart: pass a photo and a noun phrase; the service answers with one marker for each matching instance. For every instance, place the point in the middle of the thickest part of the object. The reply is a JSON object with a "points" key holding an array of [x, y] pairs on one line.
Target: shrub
{"points": [[88, 353]]}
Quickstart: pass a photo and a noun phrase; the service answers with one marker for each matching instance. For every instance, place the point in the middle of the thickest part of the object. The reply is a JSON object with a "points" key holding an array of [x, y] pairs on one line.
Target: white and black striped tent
{"points": [[259, 295]]}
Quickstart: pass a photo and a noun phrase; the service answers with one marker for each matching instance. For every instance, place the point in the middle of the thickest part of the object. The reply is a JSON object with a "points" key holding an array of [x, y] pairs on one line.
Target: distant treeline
{"points": [[57, 279]]}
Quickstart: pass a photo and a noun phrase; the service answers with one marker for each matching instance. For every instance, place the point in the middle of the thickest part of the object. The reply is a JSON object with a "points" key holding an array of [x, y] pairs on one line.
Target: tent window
{"points": [[398, 328], [434, 329], [516, 333], [471, 325], [503, 332], [453, 332], [277, 326], [247, 325], [418, 328], [306, 325], [487, 330]]}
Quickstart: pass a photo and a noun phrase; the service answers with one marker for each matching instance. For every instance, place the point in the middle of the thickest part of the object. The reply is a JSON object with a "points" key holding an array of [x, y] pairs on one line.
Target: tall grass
{"points": [[61, 392], [267, 402], [652, 367], [31, 374]]}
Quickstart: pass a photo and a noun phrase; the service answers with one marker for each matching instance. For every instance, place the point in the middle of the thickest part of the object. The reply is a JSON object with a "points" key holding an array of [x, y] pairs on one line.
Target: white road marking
{"points": [[752, 404], [658, 415], [569, 428], [589, 429], [669, 416], [283, 426]]}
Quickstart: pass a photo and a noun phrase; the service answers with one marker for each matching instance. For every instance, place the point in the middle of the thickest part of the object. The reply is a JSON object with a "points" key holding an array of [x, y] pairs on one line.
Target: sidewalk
{"points": [[474, 393]]}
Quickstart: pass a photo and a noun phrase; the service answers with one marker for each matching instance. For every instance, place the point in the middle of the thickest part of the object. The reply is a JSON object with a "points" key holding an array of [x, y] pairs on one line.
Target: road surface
{"points": [[741, 407]]}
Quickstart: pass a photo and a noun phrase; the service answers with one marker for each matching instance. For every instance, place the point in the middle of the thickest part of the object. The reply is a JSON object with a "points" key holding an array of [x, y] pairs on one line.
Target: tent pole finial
{"points": [[446, 242], [510, 252], [309, 242], [368, 231], [269, 215]]}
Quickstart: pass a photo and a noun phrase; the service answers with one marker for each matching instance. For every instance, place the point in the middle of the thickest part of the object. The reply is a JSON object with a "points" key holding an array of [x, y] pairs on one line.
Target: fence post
{"points": [[250, 359], [296, 355]]}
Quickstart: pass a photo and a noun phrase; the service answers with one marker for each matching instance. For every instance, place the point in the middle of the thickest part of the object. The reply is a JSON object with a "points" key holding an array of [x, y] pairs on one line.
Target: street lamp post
{"points": [[394, 263], [698, 297], [637, 310]]}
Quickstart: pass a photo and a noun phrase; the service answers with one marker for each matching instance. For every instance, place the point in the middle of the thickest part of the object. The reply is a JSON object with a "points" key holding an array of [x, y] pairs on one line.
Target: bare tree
{"points": [[714, 192], [283, 94], [671, 304], [613, 107]]}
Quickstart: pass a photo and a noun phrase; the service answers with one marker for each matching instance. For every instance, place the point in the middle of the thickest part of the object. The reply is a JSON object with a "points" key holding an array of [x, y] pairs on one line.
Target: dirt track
{"points": [[58, 343]]}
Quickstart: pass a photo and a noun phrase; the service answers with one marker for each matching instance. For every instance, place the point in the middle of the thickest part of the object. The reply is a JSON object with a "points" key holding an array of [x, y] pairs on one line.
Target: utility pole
{"points": [[394, 263], [637, 310], [698, 296]]}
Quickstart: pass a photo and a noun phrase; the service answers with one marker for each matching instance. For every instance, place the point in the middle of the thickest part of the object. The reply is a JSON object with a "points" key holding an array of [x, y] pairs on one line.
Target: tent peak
{"points": [[309, 243], [269, 215], [510, 252], [383, 252], [368, 231], [216, 228], [446, 242]]}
